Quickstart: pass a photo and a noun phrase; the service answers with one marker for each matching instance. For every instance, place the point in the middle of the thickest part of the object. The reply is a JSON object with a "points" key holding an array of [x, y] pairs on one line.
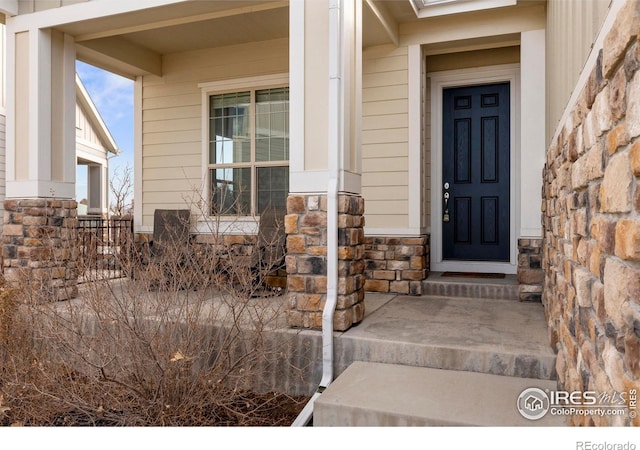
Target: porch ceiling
{"points": [[133, 43]]}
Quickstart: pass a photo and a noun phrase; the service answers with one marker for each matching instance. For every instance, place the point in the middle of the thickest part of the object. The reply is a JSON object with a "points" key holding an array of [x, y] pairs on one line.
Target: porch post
{"points": [[532, 151], [97, 189], [310, 128], [40, 210]]}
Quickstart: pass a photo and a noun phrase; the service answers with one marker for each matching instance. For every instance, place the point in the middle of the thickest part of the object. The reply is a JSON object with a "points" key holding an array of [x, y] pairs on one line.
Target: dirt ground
{"points": [[249, 410]]}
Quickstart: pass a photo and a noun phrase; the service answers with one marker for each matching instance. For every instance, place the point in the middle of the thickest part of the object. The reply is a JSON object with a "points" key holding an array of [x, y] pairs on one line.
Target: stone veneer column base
{"points": [[306, 260], [530, 273], [39, 240], [396, 264]]}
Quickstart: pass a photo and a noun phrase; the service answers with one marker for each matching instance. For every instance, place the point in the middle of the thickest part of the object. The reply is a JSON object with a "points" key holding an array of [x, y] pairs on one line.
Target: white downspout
{"points": [[335, 150], [335, 143]]}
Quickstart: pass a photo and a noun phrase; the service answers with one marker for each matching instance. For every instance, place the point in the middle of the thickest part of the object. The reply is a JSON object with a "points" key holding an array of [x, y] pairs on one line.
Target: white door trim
{"points": [[467, 77]]}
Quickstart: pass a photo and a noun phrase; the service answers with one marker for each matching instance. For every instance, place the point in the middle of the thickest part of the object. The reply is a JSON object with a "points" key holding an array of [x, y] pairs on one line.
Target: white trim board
{"points": [[469, 77], [415, 86], [138, 193]]}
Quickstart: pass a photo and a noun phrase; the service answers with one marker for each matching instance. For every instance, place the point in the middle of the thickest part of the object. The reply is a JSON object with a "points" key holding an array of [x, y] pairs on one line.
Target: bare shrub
{"points": [[121, 189], [190, 339]]}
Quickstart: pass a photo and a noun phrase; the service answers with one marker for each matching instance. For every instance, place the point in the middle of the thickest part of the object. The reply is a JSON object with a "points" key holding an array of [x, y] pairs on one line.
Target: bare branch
{"points": [[121, 188]]}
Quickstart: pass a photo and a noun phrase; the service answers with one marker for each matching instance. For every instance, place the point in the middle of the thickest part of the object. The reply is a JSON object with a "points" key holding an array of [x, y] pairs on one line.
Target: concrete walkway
{"points": [[374, 394]]}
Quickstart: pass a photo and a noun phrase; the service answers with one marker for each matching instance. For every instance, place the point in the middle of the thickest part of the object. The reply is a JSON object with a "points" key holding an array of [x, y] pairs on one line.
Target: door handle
{"points": [[445, 216]]}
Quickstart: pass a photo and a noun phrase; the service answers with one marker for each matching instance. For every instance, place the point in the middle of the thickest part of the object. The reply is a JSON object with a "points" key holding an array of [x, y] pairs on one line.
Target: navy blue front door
{"points": [[475, 173]]}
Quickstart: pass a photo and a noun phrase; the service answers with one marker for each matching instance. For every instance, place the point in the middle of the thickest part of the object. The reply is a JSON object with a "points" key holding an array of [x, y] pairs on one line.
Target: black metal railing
{"points": [[106, 247]]}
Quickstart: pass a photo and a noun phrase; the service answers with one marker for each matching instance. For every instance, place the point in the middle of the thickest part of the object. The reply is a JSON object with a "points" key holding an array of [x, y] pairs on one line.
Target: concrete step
{"points": [[375, 394], [497, 337], [479, 288]]}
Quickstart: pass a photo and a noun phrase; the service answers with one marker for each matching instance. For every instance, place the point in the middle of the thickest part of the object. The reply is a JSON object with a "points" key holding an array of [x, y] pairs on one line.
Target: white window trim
{"points": [[228, 224], [468, 77], [444, 7]]}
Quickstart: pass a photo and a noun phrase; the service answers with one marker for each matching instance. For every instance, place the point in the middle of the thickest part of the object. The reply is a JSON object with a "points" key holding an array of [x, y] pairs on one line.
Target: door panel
{"points": [[476, 153], [462, 218]]}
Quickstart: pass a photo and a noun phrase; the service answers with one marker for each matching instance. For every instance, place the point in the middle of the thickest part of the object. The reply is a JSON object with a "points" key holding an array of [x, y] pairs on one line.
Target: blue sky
{"points": [[113, 97]]}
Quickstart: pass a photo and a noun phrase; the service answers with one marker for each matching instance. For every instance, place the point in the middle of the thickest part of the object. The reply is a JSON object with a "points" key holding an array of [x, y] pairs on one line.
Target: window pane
{"points": [[229, 128], [263, 125], [231, 191], [262, 149], [272, 124], [278, 150], [273, 187]]}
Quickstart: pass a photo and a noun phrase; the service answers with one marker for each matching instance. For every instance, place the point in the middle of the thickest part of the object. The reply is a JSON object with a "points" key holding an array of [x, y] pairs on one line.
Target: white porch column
{"points": [[325, 234], [309, 93], [532, 158], [97, 182], [40, 114], [39, 232], [532, 132]]}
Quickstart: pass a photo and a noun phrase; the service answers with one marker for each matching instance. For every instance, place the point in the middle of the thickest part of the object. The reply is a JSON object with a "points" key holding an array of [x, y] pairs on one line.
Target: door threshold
{"points": [[490, 275], [474, 267], [471, 277]]}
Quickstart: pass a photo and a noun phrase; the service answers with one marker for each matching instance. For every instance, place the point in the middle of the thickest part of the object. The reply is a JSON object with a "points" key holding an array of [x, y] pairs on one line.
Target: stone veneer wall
{"points": [[591, 220], [530, 273], [39, 240], [306, 260], [396, 264]]}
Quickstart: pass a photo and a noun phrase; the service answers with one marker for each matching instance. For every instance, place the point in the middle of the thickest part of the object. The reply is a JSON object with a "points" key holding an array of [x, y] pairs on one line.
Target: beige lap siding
{"points": [[172, 172], [385, 148]]}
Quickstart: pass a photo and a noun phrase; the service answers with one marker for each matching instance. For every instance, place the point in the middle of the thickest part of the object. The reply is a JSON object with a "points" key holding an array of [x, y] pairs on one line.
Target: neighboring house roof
{"points": [[94, 117]]}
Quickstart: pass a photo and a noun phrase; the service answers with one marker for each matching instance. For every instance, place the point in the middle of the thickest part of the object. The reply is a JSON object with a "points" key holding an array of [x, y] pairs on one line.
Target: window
{"points": [[248, 150]]}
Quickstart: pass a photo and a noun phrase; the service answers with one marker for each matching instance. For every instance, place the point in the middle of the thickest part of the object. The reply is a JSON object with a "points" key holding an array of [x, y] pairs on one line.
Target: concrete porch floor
{"points": [[502, 339]]}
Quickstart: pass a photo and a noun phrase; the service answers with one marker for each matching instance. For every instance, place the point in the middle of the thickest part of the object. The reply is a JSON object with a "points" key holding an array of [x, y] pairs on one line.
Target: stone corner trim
{"points": [[530, 273]]}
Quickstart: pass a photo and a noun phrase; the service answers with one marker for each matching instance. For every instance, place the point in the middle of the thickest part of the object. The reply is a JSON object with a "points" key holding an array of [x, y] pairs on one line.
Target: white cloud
{"points": [[112, 94]]}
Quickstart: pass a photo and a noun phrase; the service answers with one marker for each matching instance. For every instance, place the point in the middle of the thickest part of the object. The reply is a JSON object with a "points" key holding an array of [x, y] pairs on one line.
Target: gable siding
{"points": [[84, 130], [172, 172], [385, 140]]}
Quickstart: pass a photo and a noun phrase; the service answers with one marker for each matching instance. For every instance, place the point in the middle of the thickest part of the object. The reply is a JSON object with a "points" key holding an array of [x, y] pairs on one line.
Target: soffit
{"points": [[237, 29], [133, 43], [193, 25]]}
